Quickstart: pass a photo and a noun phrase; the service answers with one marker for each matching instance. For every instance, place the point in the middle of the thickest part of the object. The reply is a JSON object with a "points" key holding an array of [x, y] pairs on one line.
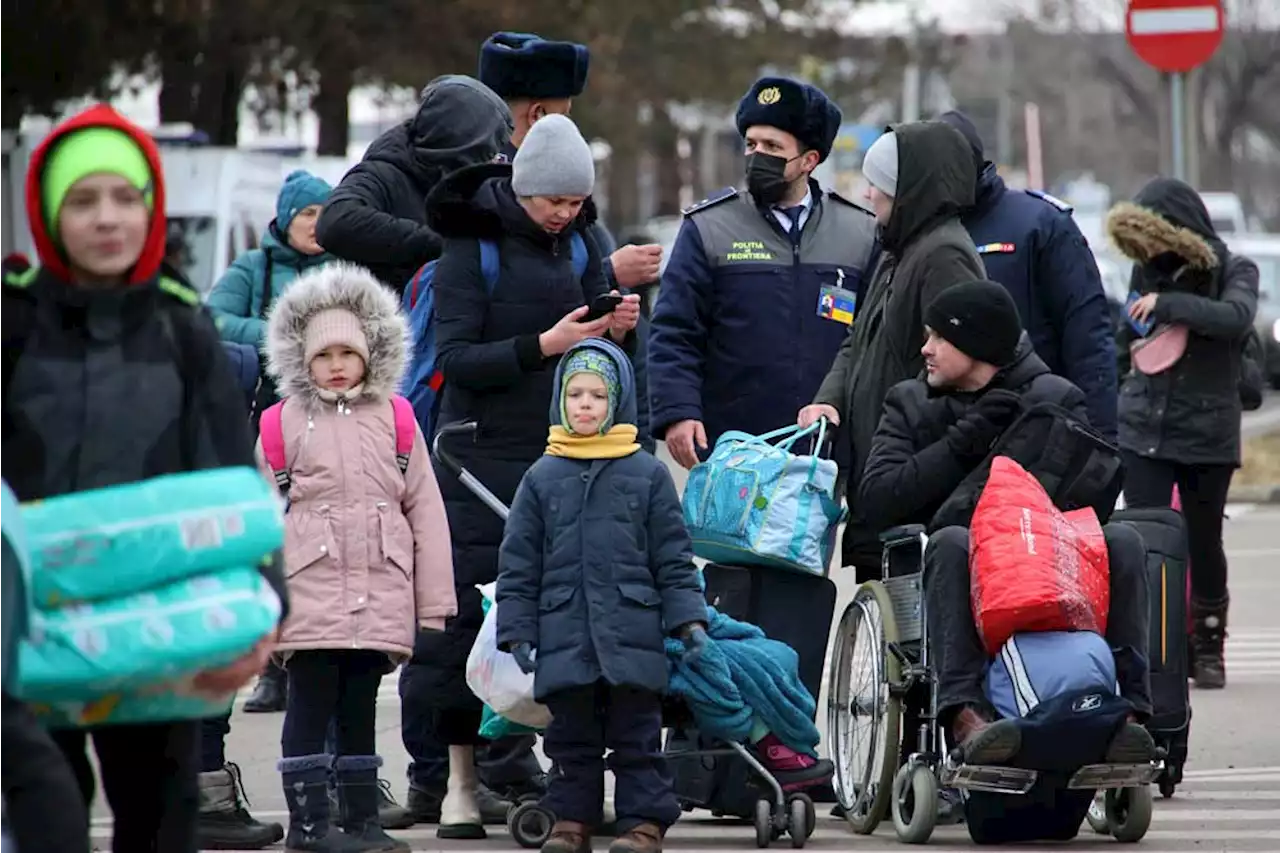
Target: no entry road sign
{"points": [[1174, 35]]}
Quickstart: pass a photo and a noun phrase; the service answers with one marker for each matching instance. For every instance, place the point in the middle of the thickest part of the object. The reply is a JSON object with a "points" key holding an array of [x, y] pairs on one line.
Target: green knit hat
{"points": [[588, 360], [91, 151]]}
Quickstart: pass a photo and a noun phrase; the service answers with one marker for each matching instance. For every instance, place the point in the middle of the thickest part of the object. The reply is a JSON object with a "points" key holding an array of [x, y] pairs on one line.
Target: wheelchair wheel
{"points": [[530, 824], [1129, 813], [915, 803], [1097, 815], [863, 717], [764, 823]]}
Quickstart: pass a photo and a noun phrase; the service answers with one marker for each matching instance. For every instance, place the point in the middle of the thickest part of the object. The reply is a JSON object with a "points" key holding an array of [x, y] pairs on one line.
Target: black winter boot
{"points": [[306, 783], [360, 795], [224, 823], [269, 693], [1208, 636]]}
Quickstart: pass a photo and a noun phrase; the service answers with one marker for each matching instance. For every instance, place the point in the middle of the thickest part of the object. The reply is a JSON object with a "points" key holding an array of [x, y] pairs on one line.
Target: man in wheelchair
{"points": [[935, 432]]}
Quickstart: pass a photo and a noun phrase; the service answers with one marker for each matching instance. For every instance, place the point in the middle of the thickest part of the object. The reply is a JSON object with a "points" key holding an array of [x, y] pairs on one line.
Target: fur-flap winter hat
{"points": [[312, 310], [801, 110], [523, 65]]}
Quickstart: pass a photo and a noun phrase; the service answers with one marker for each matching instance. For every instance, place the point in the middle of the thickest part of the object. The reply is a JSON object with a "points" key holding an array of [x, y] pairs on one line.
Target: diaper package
{"points": [[155, 704], [116, 541], [82, 653]]}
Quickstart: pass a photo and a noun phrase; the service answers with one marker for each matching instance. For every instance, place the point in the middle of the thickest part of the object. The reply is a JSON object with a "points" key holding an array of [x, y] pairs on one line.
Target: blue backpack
{"points": [[424, 381]]}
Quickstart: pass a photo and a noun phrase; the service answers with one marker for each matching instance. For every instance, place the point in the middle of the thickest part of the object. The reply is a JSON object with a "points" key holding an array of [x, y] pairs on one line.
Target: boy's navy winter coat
{"points": [[596, 566]]}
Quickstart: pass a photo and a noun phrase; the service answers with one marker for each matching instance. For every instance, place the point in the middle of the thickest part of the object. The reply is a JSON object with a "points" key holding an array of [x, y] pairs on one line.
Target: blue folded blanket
{"points": [[741, 676]]}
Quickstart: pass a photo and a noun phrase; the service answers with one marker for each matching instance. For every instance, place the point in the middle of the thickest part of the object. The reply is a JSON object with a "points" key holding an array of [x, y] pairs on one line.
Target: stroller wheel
{"points": [[764, 823], [530, 824], [801, 819], [810, 812], [1129, 813]]}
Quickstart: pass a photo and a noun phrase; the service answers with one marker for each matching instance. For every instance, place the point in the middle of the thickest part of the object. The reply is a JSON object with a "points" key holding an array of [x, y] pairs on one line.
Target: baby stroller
{"points": [[881, 679], [777, 812]]}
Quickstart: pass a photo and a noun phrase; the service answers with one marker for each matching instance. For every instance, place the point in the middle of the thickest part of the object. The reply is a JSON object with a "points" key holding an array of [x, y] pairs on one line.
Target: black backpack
{"points": [[1252, 377], [1076, 466]]}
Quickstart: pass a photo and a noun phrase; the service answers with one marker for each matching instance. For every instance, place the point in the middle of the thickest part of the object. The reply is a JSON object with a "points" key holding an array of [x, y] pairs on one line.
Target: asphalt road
{"points": [[1230, 800]]}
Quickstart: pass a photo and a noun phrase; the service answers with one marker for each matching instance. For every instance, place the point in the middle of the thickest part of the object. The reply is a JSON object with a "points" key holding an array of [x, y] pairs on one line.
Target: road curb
{"points": [[1254, 494]]}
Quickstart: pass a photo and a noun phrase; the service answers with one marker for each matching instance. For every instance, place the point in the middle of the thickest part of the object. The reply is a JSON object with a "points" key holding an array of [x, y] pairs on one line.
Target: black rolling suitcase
{"points": [[1164, 534], [792, 608]]}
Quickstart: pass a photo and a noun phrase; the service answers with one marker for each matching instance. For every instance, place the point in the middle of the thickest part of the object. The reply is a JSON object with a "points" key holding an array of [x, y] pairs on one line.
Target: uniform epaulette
{"points": [[178, 290], [832, 194], [1053, 200], [711, 200]]}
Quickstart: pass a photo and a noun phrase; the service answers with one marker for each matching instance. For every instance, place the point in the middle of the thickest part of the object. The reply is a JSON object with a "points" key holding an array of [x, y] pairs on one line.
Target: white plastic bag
{"points": [[495, 677]]}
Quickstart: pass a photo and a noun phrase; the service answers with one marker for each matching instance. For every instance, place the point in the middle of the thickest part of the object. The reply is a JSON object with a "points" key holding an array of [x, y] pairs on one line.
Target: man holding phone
{"points": [[761, 286]]}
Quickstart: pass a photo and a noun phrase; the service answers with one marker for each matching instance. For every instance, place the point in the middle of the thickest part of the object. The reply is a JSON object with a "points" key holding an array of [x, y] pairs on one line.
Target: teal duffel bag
{"points": [[94, 656], [756, 503], [112, 542]]}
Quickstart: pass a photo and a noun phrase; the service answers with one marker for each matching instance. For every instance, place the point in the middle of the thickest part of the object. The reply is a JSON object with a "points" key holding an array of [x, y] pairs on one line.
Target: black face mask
{"points": [[766, 178]]}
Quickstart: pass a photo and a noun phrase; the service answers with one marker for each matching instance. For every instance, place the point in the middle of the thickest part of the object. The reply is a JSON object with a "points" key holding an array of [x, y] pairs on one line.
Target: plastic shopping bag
{"points": [[494, 727], [495, 677], [1033, 567]]}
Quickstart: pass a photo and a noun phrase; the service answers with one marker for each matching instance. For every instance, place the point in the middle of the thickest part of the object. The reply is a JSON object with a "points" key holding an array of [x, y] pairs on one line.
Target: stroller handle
{"points": [[465, 477], [468, 427]]}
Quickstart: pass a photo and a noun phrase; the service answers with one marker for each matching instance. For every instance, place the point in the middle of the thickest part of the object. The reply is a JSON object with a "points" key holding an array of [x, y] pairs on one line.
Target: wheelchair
{"points": [[886, 741]]}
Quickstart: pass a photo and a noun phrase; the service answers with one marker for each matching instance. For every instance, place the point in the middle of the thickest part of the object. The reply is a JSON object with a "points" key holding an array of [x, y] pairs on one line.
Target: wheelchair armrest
{"points": [[901, 535]]}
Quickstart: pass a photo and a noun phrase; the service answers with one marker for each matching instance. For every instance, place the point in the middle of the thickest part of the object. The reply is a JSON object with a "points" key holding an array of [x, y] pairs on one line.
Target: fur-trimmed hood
{"points": [[1166, 216], [338, 285]]}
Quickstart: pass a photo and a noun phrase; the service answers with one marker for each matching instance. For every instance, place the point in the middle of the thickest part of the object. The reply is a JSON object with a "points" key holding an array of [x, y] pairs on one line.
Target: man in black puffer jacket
{"points": [[377, 215], [980, 373]]}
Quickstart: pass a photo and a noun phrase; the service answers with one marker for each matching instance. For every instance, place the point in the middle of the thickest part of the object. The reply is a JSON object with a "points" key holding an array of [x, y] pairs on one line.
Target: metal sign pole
{"points": [[1178, 124]]}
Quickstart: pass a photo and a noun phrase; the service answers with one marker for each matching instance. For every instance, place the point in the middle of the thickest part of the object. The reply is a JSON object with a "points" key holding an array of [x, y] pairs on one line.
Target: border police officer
{"points": [[1029, 243], [760, 288]]}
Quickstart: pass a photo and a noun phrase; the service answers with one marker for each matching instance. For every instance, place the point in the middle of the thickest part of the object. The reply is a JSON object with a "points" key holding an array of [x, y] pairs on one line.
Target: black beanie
{"points": [[979, 319]]}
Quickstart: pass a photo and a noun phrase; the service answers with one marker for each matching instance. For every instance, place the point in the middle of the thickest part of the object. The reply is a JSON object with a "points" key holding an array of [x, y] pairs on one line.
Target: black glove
{"points": [[523, 653], [970, 438]]}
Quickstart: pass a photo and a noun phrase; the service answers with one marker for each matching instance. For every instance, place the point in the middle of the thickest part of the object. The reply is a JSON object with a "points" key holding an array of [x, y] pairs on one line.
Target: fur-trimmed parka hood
{"points": [[350, 287], [1167, 216]]}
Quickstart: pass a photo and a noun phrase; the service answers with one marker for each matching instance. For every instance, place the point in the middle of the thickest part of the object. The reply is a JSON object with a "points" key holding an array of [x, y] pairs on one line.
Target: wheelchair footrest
{"points": [[1102, 776], [995, 780]]}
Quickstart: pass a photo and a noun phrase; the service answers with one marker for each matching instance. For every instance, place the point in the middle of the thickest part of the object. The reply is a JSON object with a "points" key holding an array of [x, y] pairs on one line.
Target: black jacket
{"points": [[377, 215], [104, 387], [1190, 413], [926, 250], [910, 472], [495, 373]]}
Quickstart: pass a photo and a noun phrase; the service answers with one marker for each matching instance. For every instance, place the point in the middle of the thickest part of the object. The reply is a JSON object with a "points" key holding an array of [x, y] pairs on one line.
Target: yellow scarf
{"points": [[618, 442]]}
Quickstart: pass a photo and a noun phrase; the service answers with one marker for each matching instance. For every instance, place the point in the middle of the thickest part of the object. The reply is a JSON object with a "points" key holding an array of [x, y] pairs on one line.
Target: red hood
{"points": [[100, 115]]}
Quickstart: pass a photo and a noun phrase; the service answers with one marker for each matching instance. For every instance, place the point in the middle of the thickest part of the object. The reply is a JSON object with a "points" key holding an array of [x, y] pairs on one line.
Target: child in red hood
{"points": [[113, 373]]}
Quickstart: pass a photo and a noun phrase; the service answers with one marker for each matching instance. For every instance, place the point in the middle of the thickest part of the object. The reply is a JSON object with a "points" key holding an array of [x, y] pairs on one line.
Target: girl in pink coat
{"points": [[367, 553]]}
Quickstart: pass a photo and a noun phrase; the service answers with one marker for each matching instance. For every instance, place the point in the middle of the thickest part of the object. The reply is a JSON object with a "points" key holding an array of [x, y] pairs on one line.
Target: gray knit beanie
{"points": [[553, 160], [880, 164]]}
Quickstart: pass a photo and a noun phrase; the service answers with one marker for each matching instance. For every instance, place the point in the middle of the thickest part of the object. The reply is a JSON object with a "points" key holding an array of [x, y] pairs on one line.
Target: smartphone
{"points": [[1142, 329], [605, 303]]}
